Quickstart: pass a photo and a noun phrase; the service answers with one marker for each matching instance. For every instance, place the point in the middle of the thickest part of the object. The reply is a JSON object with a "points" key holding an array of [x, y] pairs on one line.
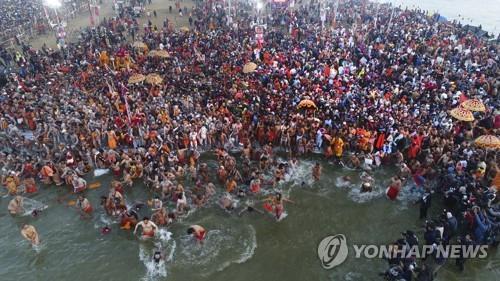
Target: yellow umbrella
{"points": [[462, 114], [474, 105], [136, 78], [140, 45], [488, 141], [306, 104], [154, 79], [249, 67], [184, 29]]}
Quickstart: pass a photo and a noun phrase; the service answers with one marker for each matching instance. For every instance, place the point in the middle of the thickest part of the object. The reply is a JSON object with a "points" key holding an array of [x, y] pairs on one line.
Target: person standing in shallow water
{"points": [[394, 188], [316, 171], [149, 228]]}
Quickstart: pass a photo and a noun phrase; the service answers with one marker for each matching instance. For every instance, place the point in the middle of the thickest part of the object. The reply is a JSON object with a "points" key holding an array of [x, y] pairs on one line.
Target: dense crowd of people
{"points": [[31, 18], [380, 82]]}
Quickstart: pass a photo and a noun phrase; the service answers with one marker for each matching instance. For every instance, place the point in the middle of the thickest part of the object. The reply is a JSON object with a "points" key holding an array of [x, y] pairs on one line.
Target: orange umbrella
{"points": [[474, 105], [306, 104], [488, 141], [462, 114]]}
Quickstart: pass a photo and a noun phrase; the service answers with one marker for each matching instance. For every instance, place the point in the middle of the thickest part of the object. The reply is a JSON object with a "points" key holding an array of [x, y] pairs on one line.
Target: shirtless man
{"points": [[148, 228], [85, 206], [29, 233], [394, 188], [316, 171], [197, 232], [16, 205]]}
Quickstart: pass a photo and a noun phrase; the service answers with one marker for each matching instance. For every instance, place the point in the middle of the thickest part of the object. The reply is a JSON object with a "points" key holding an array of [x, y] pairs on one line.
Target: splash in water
{"points": [[31, 205], [165, 245]]}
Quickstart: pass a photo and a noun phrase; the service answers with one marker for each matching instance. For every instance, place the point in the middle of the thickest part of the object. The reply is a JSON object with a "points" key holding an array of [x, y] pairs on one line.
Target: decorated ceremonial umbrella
{"points": [[474, 105], [306, 104], [488, 141], [152, 53], [249, 67], [462, 114], [140, 45], [160, 54], [184, 29], [154, 79], [136, 78]]}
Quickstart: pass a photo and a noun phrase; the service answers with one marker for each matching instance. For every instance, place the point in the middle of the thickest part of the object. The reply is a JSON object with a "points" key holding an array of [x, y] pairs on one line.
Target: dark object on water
{"points": [[106, 230], [157, 256], [35, 213]]}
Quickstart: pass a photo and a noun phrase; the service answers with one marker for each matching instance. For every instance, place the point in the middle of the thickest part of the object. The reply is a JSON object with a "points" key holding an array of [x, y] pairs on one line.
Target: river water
{"points": [[473, 12], [251, 247]]}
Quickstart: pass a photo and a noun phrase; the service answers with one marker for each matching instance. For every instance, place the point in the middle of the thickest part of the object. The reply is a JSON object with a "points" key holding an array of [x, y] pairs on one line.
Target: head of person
{"points": [[145, 219], [278, 195], [191, 230]]}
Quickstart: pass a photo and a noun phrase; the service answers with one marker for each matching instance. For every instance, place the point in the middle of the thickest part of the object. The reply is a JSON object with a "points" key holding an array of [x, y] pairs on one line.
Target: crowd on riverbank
{"points": [[378, 89]]}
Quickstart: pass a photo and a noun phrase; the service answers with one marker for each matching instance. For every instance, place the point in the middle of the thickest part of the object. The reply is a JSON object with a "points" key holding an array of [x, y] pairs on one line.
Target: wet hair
{"points": [[145, 218], [190, 230]]}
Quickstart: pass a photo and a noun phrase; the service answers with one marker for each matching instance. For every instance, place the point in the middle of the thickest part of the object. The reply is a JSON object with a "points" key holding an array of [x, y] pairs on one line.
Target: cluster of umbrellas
{"points": [[152, 78], [155, 53], [465, 113]]}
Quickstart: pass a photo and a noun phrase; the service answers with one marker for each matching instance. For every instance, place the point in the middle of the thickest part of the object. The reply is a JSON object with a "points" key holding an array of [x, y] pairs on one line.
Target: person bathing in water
{"points": [[275, 204], [198, 232], [149, 228], [29, 233], [394, 188], [85, 206], [366, 187], [157, 256], [316, 171], [15, 206]]}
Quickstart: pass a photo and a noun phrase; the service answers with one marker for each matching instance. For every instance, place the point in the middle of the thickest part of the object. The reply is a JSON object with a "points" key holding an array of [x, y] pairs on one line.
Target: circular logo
{"points": [[332, 251]]}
